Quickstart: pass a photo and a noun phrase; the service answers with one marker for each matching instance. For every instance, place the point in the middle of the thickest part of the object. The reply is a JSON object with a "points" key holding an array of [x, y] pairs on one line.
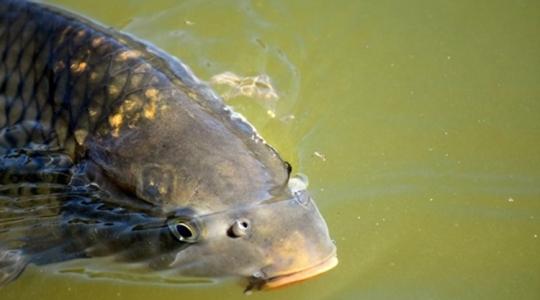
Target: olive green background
{"points": [[427, 114]]}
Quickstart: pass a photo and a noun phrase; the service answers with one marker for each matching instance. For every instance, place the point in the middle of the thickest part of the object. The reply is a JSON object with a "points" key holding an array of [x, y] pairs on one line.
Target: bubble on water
{"points": [[299, 182], [271, 113]]}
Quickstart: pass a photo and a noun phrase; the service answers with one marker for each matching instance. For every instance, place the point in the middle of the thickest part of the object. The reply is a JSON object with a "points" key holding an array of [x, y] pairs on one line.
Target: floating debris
{"points": [[258, 87], [320, 155]]}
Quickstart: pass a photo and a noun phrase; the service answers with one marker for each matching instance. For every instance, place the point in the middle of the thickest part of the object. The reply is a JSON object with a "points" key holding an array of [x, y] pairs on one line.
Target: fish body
{"points": [[150, 164]]}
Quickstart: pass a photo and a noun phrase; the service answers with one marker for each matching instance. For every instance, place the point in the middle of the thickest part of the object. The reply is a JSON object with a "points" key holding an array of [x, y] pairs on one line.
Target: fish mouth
{"points": [[286, 279]]}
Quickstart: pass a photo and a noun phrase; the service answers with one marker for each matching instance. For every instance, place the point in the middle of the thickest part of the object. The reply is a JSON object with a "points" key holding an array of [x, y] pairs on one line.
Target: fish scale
{"points": [[52, 74]]}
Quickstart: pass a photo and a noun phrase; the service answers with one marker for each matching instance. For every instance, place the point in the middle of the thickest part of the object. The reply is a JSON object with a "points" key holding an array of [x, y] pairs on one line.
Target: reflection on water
{"points": [[426, 114]]}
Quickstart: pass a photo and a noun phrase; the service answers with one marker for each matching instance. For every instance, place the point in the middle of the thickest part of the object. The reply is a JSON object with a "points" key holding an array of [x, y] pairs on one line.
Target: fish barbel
{"points": [[148, 163]]}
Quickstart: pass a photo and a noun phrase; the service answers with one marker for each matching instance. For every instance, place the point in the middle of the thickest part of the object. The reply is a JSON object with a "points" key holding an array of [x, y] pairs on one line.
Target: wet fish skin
{"points": [[49, 214], [67, 83], [153, 133]]}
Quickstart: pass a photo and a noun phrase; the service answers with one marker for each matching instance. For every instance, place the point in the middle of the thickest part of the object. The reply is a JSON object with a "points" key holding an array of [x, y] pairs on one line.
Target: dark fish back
{"points": [[60, 77], [60, 73], [42, 94]]}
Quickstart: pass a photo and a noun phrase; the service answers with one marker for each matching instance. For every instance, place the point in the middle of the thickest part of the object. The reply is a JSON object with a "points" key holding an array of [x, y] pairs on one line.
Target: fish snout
{"points": [[296, 260], [304, 248], [264, 279]]}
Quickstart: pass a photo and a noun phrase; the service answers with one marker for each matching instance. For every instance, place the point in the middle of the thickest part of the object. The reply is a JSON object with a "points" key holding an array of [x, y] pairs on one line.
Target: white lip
{"points": [[315, 270]]}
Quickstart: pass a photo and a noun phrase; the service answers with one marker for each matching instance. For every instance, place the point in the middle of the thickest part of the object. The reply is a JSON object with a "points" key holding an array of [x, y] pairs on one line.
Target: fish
{"points": [[110, 147]]}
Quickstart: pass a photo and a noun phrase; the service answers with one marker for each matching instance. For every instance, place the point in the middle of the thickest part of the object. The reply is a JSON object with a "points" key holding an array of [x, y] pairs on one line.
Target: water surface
{"points": [[417, 123]]}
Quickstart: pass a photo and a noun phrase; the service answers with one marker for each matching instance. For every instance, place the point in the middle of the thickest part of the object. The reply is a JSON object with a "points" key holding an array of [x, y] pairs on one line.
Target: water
{"points": [[417, 123]]}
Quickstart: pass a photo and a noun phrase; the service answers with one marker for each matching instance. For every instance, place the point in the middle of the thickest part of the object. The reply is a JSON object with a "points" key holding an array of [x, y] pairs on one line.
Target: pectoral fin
{"points": [[12, 263]]}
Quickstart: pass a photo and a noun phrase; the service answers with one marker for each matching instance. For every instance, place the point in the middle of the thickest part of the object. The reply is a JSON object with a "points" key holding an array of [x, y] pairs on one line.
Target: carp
{"points": [[110, 147]]}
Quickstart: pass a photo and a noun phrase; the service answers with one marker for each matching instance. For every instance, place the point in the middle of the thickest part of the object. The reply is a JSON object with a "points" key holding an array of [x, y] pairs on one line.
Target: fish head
{"points": [[246, 220], [272, 243], [188, 156]]}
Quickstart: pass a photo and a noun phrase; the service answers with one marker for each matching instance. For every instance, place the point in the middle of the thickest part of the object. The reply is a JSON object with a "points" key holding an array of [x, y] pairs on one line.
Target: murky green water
{"points": [[425, 117]]}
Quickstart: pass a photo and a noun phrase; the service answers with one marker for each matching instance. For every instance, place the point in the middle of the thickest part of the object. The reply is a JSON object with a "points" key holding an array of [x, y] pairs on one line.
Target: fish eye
{"points": [[184, 231], [239, 228]]}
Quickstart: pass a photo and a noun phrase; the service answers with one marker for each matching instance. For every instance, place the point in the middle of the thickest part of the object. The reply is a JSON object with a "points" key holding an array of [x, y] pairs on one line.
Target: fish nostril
{"points": [[238, 229]]}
